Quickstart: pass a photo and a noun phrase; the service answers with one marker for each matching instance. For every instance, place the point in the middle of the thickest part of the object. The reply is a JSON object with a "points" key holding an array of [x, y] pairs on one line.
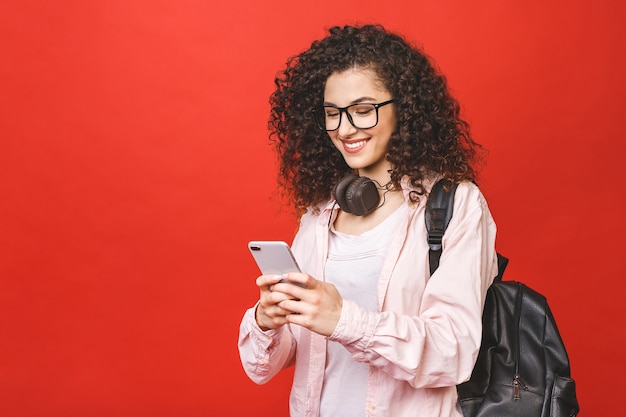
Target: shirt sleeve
{"points": [[264, 353], [438, 346]]}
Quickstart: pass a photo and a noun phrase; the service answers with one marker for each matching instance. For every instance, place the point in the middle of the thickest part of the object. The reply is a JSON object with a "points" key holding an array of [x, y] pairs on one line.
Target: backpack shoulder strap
{"points": [[439, 208]]}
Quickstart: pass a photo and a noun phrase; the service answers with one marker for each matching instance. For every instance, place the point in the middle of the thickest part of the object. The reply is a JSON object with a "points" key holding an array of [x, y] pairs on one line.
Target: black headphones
{"points": [[357, 195]]}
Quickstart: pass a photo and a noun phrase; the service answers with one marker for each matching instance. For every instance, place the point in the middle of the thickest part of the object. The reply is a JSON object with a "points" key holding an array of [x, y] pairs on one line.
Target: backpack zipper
{"points": [[517, 380]]}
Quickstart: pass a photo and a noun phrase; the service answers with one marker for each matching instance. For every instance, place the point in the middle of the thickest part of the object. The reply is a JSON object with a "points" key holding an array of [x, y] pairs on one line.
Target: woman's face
{"points": [[363, 149]]}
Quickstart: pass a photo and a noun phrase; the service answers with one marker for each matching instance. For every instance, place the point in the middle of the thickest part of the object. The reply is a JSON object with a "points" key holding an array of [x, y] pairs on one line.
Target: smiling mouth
{"points": [[353, 146]]}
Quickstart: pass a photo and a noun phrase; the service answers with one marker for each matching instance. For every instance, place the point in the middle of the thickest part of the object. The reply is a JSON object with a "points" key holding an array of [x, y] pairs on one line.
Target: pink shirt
{"points": [[423, 340]]}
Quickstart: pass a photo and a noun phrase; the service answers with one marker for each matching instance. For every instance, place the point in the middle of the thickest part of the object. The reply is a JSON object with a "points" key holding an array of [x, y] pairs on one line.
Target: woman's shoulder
{"points": [[466, 196], [470, 203], [469, 190]]}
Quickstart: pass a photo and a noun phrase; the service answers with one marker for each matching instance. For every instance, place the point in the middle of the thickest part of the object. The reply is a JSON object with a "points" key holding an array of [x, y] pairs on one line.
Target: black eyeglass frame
{"points": [[321, 118]]}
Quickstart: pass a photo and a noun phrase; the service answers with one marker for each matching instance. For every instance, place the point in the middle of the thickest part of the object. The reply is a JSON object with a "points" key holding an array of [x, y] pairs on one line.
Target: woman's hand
{"points": [[316, 307], [269, 315]]}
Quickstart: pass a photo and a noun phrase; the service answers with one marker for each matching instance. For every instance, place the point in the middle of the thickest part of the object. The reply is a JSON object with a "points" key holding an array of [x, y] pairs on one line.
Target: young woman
{"points": [[372, 334]]}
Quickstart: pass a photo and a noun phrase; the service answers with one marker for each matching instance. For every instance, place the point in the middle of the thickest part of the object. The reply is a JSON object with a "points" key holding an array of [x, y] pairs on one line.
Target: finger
{"points": [[304, 280], [289, 290], [278, 310], [268, 280], [292, 306], [271, 300], [276, 296], [271, 317], [294, 283]]}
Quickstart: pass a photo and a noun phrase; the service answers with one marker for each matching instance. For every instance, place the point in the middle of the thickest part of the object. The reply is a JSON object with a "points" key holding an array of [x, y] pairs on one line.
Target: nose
{"points": [[346, 128]]}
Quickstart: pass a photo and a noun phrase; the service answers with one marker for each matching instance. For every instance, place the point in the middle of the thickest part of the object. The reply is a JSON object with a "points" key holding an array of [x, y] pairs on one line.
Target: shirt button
{"points": [[371, 406]]}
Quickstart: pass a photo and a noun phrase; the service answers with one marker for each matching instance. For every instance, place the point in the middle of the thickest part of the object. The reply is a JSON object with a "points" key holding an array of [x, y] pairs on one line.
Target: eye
{"points": [[331, 112], [362, 109]]}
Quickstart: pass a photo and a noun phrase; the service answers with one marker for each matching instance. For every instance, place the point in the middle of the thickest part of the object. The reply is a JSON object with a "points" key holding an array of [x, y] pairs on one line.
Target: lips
{"points": [[354, 145]]}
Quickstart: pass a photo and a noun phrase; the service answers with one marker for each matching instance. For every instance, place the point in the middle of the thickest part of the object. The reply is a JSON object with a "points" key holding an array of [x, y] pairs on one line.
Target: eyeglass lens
{"points": [[362, 116]]}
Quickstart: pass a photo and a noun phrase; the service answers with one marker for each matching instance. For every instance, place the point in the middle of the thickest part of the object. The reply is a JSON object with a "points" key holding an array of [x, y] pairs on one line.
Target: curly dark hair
{"points": [[429, 137]]}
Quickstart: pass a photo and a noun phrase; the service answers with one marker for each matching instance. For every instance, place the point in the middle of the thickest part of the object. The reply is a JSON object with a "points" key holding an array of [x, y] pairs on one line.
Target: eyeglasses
{"points": [[360, 115]]}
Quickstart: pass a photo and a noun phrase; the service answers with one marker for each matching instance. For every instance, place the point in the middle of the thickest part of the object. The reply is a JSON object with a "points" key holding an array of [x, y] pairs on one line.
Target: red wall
{"points": [[134, 168]]}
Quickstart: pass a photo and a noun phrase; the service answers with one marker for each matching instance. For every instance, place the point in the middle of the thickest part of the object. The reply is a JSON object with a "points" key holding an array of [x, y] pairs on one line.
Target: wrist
{"points": [[258, 321]]}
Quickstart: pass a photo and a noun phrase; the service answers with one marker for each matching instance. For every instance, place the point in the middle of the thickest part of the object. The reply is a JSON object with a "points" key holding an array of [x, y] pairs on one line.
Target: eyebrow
{"points": [[358, 100]]}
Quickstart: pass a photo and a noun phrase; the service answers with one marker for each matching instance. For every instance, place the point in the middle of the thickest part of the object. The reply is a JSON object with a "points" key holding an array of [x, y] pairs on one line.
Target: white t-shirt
{"points": [[353, 266]]}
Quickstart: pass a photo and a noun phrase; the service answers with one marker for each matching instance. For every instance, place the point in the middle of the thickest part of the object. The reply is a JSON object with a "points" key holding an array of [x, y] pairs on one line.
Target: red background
{"points": [[134, 168]]}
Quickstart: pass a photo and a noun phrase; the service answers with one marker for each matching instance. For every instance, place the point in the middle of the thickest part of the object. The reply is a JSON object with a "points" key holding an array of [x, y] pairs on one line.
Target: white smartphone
{"points": [[274, 257]]}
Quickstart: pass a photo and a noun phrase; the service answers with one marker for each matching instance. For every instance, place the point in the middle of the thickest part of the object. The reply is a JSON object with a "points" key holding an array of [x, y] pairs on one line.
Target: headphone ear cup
{"points": [[362, 196], [339, 192]]}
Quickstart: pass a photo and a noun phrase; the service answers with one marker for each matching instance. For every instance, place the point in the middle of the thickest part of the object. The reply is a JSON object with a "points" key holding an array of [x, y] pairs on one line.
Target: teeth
{"points": [[355, 144]]}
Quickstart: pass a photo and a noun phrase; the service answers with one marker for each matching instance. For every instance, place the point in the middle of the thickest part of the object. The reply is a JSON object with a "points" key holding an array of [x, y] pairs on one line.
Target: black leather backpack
{"points": [[522, 369]]}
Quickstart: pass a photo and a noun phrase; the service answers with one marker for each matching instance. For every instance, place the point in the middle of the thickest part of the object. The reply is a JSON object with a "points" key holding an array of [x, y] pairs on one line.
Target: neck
{"points": [[381, 177]]}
